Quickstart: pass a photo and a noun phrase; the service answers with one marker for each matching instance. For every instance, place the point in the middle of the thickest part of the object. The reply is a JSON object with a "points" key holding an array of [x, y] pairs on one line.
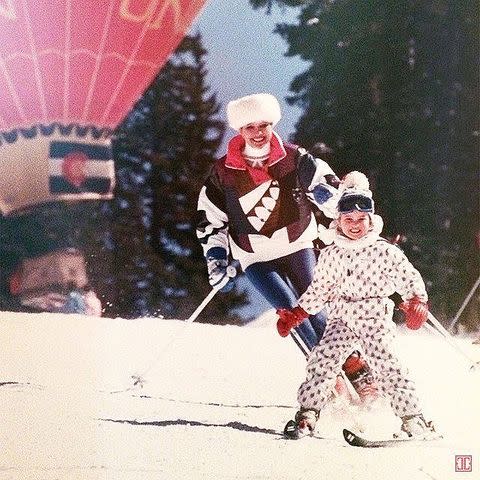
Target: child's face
{"points": [[354, 224]]}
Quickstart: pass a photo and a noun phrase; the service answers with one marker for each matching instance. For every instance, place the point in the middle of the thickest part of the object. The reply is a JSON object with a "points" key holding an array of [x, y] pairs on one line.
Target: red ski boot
{"points": [[360, 376]]}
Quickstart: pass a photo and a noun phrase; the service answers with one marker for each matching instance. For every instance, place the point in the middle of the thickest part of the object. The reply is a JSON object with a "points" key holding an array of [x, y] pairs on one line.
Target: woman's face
{"points": [[354, 224], [257, 134]]}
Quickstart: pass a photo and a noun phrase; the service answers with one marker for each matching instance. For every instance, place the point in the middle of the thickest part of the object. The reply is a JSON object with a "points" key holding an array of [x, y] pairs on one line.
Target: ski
{"points": [[357, 441]]}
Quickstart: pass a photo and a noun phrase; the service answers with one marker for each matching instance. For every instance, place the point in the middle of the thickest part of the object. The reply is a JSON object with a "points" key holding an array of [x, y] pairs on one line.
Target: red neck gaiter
{"points": [[236, 160]]}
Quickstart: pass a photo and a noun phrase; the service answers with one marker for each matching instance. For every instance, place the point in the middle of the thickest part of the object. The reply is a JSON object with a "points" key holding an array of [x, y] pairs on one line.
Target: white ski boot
{"points": [[303, 425], [416, 427]]}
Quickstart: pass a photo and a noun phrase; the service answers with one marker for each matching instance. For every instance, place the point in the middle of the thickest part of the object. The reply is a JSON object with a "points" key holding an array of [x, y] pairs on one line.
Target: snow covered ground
{"points": [[210, 403]]}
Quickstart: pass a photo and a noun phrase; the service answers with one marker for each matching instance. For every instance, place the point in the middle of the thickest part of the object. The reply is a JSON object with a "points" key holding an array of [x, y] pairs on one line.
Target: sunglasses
{"points": [[349, 203]]}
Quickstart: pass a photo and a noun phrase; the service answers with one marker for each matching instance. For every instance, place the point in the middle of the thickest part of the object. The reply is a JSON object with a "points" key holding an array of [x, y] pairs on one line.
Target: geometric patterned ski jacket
{"points": [[262, 220]]}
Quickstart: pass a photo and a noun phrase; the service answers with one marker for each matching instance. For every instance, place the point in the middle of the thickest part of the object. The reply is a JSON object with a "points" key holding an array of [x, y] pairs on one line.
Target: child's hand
{"points": [[416, 312], [289, 319]]}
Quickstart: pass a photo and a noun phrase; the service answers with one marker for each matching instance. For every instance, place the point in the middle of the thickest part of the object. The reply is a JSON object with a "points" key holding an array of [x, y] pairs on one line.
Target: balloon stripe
{"points": [[92, 185], [36, 66], [103, 42], [67, 46], [94, 168], [12, 91], [61, 149], [127, 68]]}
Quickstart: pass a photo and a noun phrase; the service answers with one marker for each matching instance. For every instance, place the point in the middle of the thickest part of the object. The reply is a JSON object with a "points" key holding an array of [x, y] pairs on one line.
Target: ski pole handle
{"points": [[231, 272]]}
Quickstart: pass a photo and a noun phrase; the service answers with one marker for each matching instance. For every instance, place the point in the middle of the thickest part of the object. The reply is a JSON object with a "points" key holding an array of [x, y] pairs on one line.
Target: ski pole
{"points": [[299, 342], [138, 379], [464, 304], [436, 327], [231, 272], [200, 308]]}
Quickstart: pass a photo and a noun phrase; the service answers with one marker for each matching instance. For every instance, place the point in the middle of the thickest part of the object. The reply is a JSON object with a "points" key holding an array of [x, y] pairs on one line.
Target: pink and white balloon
{"points": [[69, 73]]}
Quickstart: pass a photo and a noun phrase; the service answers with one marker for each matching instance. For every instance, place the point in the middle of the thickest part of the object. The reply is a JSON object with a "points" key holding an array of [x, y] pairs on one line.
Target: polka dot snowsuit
{"points": [[354, 279]]}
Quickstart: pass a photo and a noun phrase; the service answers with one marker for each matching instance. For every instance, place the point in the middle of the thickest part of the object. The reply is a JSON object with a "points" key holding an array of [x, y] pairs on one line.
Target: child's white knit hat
{"points": [[355, 194]]}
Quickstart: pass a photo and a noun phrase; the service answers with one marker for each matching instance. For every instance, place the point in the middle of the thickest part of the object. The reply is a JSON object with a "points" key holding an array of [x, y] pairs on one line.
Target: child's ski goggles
{"points": [[349, 203]]}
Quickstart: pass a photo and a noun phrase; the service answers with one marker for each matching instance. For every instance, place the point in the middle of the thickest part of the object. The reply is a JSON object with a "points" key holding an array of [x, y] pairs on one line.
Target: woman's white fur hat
{"points": [[260, 107]]}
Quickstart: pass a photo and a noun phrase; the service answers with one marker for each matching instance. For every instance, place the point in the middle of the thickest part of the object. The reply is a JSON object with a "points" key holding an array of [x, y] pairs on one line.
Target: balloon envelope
{"points": [[69, 73]]}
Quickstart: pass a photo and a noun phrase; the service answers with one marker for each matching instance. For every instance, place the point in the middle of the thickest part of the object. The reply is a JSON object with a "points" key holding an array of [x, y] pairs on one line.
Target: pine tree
{"points": [[164, 150], [189, 134], [392, 88]]}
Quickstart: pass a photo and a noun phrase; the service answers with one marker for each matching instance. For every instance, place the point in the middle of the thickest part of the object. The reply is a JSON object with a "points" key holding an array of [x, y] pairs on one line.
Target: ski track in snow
{"points": [[211, 404]]}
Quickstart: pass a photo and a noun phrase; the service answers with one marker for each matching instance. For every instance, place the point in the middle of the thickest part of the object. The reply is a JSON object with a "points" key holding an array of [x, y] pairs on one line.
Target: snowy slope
{"points": [[213, 402]]}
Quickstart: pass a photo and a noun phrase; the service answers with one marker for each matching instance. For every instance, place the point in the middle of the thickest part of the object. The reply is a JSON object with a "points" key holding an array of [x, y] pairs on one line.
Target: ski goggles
{"points": [[349, 203]]}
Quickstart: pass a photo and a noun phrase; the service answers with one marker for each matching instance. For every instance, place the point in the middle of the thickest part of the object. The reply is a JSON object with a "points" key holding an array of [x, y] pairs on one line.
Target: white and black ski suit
{"points": [[267, 223], [354, 280]]}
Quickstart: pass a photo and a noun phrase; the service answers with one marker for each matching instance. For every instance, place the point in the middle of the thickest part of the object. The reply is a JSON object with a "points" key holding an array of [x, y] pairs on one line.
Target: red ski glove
{"points": [[289, 319], [416, 312]]}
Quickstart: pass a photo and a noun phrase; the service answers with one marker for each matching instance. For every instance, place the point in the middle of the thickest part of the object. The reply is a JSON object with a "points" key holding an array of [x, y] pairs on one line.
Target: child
{"points": [[354, 278]]}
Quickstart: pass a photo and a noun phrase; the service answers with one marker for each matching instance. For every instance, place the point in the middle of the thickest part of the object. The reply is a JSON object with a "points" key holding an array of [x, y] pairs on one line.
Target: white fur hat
{"points": [[260, 107]]}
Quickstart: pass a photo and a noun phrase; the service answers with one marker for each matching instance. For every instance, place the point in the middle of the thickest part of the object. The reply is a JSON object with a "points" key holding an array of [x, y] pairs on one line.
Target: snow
{"points": [[210, 404]]}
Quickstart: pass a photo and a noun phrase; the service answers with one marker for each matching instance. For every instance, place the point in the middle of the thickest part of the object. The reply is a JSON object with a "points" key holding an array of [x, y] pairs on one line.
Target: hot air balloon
{"points": [[69, 73]]}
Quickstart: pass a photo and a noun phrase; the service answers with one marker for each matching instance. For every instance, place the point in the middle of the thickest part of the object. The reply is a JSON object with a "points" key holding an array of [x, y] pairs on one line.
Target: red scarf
{"points": [[236, 160]]}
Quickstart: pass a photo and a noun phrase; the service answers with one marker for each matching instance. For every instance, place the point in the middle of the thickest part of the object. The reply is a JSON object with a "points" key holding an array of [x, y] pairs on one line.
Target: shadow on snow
{"points": [[211, 404], [192, 423]]}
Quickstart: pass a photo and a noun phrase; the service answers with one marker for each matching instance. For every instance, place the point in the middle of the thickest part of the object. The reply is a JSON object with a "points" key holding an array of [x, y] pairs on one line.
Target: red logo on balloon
{"points": [[74, 167]]}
